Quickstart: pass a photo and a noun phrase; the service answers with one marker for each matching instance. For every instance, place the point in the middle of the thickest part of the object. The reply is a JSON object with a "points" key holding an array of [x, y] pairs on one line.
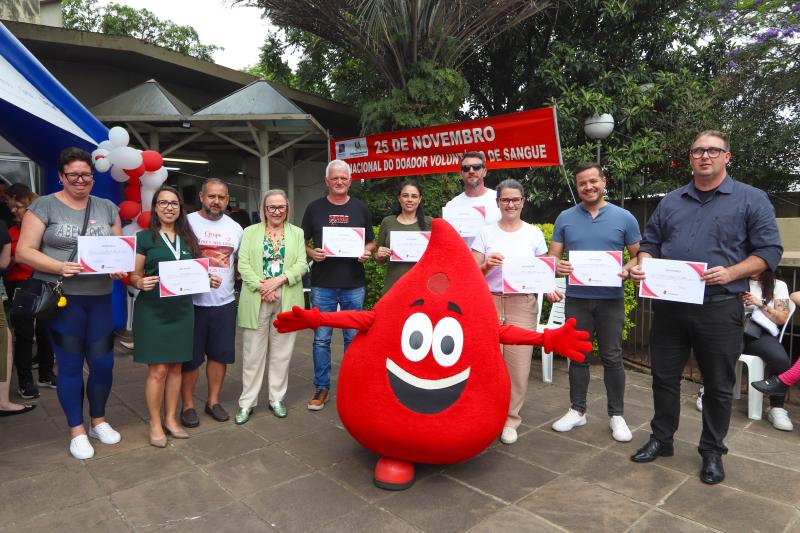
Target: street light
{"points": [[597, 128]]}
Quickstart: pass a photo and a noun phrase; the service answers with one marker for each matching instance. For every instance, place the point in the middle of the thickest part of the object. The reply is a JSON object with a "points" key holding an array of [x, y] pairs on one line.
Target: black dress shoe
{"points": [[771, 386], [189, 418], [217, 412], [712, 471], [652, 451]]}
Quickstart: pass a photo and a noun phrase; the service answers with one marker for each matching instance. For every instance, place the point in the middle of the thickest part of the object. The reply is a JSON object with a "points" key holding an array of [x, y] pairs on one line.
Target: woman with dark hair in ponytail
{"points": [[163, 328], [409, 216]]}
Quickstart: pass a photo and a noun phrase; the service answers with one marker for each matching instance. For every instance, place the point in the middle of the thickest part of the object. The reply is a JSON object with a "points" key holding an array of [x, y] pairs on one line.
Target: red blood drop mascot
{"points": [[424, 380]]}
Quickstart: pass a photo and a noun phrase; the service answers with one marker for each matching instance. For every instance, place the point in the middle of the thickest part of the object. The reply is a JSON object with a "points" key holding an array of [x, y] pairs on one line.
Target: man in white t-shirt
{"points": [[219, 237], [476, 194]]}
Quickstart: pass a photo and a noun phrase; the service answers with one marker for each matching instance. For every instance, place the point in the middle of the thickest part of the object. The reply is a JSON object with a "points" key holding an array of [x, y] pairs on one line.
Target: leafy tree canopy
{"points": [[117, 19]]}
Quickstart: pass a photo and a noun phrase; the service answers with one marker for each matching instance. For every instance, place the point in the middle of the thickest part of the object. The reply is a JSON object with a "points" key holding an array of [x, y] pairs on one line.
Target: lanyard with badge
{"points": [[176, 251]]}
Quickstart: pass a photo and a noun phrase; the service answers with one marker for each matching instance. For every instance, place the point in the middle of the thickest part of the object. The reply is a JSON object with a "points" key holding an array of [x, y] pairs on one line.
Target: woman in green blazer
{"points": [[272, 261]]}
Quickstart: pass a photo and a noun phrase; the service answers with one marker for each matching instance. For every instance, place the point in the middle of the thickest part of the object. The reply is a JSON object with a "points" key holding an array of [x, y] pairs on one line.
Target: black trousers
{"points": [[713, 331], [775, 359], [24, 331]]}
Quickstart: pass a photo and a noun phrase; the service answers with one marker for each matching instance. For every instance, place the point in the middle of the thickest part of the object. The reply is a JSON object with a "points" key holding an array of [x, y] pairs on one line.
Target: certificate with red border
{"points": [[676, 281], [343, 241], [595, 269], [179, 278], [408, 246], [527, 275], [106, 254]]}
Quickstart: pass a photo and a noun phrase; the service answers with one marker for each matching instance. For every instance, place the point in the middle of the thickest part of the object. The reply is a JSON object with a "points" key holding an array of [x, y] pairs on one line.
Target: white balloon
{"points": [[106, 145], [126, 157], [118, 137], [102, 164], [153, 180], [131, 229], [99, 152], [147, 197], [119, 174], [163, 173]]}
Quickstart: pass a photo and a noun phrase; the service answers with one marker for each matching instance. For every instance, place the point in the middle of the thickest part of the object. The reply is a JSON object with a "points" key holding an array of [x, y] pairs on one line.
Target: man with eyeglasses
{"points": [[335, 281], [730, 226], [476, 194], [596, 225], [219, 237]]}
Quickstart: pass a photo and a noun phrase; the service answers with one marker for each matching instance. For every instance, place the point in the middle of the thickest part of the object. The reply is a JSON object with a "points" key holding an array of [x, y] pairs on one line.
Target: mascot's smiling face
{"points": [[427, 382]]}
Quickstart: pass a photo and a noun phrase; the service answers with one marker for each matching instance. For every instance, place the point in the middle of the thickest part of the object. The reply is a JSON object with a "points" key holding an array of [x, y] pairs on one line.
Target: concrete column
{"points": [[289, 155], [263, 161]]}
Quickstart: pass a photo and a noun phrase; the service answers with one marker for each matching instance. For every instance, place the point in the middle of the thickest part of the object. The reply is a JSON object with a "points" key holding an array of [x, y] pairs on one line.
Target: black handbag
{"points": [[37, 298], [752, 329]]}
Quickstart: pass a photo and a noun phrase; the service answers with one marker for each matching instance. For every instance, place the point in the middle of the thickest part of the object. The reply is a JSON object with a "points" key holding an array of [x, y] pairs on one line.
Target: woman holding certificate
{"points": [[410, 217], [82, 330], [511, 237], [272, 261], [163, 327]]}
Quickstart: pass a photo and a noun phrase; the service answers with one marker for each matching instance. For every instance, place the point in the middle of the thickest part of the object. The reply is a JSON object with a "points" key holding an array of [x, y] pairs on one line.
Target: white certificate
{"points": [[408, 246], [179, 278], [107, 254], [595, 269], [343, 242], [529, 274], [467, 220], [677, 281]]}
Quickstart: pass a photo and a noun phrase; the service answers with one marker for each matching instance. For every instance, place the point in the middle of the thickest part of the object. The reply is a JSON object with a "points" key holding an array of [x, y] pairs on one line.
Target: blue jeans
{"points": [[327, 300]]}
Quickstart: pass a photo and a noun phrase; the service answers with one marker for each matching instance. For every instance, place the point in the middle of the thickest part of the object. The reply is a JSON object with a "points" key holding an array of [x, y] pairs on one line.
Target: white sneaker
{"points": [[126, 344], [780, 419], [699, 403], [509, 435], [569, 421], [619, 429], [80, 448], [105, 433]]}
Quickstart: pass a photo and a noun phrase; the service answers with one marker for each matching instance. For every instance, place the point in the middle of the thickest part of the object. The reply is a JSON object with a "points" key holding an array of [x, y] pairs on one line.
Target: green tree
{"points": [[117, 19]]}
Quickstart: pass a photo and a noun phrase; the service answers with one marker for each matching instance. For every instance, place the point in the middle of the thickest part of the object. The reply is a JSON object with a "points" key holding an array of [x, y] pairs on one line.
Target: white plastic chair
{"points": [[555, 320], [755, 372]]}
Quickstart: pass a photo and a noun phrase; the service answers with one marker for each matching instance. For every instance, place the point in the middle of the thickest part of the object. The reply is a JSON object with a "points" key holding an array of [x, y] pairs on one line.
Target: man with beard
{"points": [[214, 312], [476, 194]]}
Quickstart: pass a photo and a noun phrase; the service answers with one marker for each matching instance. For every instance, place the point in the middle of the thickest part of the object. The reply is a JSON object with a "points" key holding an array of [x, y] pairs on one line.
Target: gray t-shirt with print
{"points": [[62, 227]]}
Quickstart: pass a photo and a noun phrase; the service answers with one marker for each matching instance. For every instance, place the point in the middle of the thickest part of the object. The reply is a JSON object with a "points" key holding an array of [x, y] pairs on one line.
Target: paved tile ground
{"points": [[306, 473]]}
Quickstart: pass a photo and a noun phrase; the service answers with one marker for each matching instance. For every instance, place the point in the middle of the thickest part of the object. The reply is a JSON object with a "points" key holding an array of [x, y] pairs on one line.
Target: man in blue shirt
{"points": [[596, 225], [730, 226]]}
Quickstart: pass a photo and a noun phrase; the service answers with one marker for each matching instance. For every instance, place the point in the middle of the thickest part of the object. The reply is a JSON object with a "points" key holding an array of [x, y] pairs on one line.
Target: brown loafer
{"points": [[217, 412]]}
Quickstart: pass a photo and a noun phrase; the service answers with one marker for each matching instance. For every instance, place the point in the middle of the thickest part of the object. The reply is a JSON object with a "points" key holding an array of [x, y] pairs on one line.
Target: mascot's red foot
{"points": [[393, 474]]}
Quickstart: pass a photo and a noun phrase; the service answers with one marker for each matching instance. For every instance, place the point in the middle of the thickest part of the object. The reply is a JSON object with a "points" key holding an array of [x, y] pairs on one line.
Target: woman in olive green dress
{"points": [[163, 327], [410, 217]]}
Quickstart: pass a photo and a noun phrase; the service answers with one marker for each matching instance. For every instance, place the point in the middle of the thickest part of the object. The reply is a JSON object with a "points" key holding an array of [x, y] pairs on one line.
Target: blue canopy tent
{"points": [[40, 117]]}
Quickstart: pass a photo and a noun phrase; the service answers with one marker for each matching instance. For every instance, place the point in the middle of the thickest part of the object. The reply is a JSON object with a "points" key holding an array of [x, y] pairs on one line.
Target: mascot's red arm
{"points": [[299, 318], [566, 340]]}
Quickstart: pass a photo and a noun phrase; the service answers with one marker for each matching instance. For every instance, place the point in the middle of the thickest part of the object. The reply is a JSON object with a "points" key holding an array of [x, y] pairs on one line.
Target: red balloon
{"points": [[144, 220], [129, 209], [133, 193], [135, 172], [152, 160]]}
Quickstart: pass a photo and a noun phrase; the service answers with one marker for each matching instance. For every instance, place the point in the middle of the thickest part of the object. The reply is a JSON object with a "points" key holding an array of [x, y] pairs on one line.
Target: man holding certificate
{"points": [[594, 233], [731, 227], [339, 239]]}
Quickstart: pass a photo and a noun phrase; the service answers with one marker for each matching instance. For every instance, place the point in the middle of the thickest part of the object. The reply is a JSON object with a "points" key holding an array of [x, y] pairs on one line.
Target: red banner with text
{"points": [[525, 139]]}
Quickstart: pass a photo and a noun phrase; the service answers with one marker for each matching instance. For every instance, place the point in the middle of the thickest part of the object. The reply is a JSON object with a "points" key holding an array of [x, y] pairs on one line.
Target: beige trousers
{"points": [[517, 310], [258, 345]]}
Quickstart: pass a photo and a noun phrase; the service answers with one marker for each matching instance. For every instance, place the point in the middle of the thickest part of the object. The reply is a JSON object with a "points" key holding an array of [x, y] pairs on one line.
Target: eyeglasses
{"points": [[510, 201], [713, 152], [163, 204], [73, 177], [467, 168], [276, 208]]}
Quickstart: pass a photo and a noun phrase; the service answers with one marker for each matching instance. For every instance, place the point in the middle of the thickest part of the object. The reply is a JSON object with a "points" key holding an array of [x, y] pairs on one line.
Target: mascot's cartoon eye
{"points": [[416, 337], [448, 340]]}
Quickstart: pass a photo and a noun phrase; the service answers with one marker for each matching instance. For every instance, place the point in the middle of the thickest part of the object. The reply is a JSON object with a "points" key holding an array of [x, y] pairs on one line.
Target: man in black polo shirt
{"points": [[731, 227]]}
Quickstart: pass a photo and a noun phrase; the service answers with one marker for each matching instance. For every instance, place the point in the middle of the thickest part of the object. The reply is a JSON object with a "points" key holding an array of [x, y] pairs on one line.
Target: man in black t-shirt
{"points": [[335, 281]]}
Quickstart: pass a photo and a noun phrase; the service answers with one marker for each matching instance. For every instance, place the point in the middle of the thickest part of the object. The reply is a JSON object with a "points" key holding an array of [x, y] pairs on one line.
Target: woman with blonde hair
{"points": [[272, 261]]}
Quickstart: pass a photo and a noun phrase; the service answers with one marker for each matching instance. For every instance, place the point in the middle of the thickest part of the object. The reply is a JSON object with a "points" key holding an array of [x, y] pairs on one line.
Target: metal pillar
{"points": [[263, 161]]}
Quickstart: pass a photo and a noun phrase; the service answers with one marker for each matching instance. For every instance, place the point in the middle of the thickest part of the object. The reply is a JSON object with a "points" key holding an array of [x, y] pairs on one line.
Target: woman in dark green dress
{"points": [[163, 327], [410, 217]]}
